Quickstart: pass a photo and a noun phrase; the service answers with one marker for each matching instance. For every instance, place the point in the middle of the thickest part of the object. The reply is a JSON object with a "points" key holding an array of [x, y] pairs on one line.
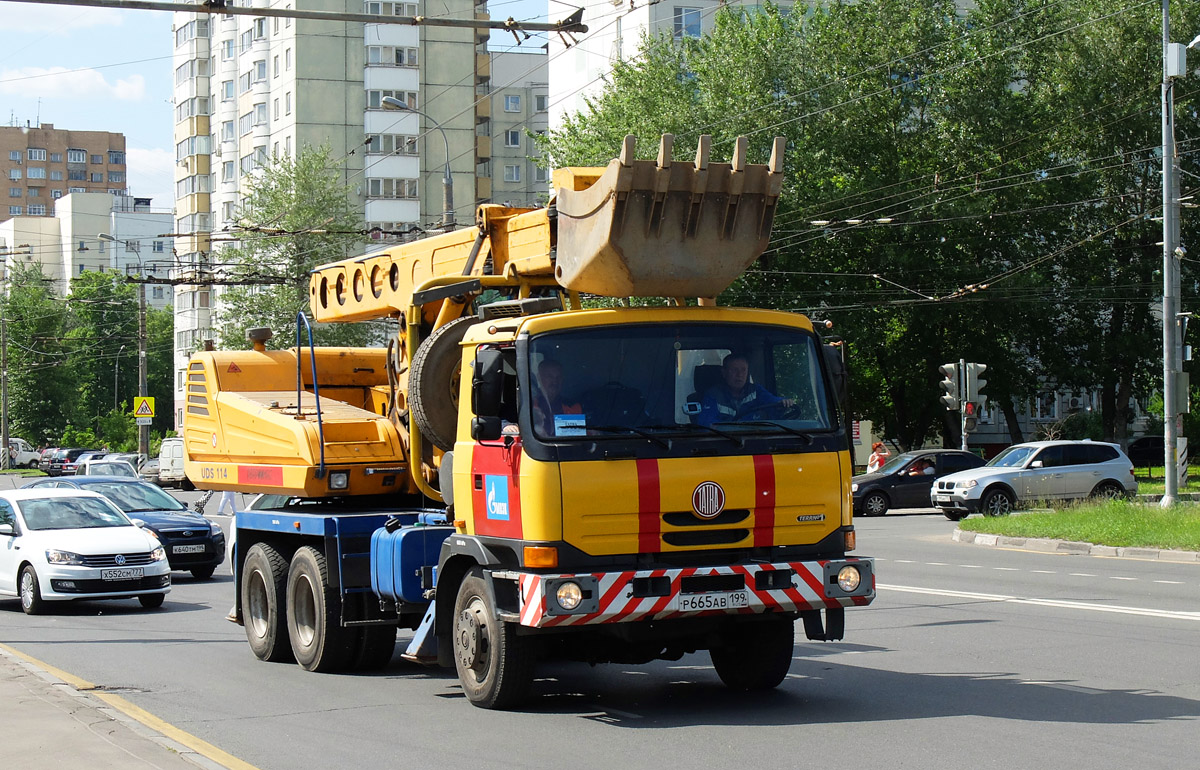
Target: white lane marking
{"points": [[970, 566], [905, 561], [1082, 574], [1007, 569], [1170, 582], [935, 564], [1060, 603], [1118, 577], [1044, 571]]}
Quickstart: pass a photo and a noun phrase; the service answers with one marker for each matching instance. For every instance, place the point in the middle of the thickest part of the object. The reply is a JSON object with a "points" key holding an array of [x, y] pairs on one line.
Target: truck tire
{"points": [[314, 616], [433, 383], [264, 595], [375, 648], [755, 656], [495, 666]]}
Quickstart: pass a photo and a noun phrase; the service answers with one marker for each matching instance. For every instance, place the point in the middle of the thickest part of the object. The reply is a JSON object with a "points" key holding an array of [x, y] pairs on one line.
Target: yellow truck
{"points": [[533, 468]]}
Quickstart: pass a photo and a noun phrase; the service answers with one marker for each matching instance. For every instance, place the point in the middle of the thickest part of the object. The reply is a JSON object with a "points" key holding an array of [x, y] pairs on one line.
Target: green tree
{"points": [[296, 215], [103, 310], [160, 365]]}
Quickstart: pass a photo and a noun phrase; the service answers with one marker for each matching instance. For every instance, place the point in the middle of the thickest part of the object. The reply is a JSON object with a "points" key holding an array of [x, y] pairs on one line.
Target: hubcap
{"points": [[305, 611], [259, 606], [472, 638], [875, 504], [26, 590]]}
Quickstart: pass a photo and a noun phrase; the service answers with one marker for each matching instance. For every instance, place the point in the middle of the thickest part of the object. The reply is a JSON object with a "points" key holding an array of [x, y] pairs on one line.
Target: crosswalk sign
{"points": [[143, 406]]}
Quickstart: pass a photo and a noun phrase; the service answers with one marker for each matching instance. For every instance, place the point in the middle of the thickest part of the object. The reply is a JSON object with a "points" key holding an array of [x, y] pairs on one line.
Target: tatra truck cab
{"points": [[533, 469]]}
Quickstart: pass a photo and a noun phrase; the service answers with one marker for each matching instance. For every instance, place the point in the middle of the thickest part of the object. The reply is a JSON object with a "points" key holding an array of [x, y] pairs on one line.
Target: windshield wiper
{"points": [[775, 424], [627, 429], [692, 427]]}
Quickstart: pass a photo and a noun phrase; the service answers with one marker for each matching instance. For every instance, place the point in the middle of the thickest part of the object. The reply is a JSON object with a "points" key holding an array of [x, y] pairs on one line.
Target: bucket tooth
{"points": [[775, 166], [628, 151], [664, 150], [739, 154], [703, 148]]}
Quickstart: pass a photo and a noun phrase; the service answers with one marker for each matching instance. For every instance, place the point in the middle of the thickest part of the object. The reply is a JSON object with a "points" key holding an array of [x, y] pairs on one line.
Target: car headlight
{"points": [[854, 487], [966, 484], [158, 554], [216, 529], [62, 557], [569, 595], [849, 578]]}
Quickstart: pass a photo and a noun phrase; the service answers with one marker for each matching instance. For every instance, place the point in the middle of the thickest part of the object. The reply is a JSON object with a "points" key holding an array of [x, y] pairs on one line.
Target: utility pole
{"points": [[143, 430], [1170, 306]]}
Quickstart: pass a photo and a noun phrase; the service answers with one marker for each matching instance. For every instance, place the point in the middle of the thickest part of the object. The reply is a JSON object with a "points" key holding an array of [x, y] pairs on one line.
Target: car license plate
{"points": [[712, 601], [127, 573], [943, 498], [187, 548]]}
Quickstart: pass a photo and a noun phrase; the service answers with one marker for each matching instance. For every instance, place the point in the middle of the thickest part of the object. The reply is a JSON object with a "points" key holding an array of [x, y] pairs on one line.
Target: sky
{"points": [[100, 69]]}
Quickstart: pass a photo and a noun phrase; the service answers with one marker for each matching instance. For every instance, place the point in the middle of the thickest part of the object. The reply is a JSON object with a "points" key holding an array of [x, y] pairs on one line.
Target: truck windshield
{"points": [[676, 378]]}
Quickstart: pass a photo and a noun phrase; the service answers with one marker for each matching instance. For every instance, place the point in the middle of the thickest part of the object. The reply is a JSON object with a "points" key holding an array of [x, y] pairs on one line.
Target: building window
{"points": [[541, 174], [247, 40], [392, 56], [158, 292], [37, 210], [512, 173], [260, 70], [246, 123], [228, 171], [227, 134], [275, 109], [275, 66], [15, 192], [227, 50], [159, 247], [287, 103], [260, 29], [687, 22], [14, 154], [116, 177], [287, 145], [56, 194], [541, 102], [36, 172], [56, 157], [14, 173], [76, 189], [33, 192], [244, 83], [97, 159], [56, 176], [76, 156], [391, 188], [387, 144], [33, 154], [260, 114], [77, 176], [96, 176], [227, 90], [375, 98], [512, 103], [287, 56], [15, 211], [227, 211], [116, 158], [512, 137]]}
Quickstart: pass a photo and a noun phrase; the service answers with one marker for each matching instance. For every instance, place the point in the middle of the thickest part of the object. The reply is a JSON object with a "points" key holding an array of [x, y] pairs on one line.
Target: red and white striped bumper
{"points": [[810, 589]]}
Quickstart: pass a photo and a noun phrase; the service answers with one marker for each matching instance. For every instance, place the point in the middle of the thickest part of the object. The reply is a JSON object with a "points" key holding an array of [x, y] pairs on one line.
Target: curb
{"points": [[1044, 545], [116, 709]]}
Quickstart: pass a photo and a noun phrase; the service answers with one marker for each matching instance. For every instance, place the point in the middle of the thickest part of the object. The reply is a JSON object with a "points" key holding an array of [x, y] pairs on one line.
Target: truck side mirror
{"points": [[485, 428], [487, 384]]}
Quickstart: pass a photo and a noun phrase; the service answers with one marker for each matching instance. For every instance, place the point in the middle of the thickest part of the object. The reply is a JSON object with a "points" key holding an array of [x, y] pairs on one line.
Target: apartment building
{"points": [[44, 164], [248, 88], [519, 107], [614, 33], [69, 243]]}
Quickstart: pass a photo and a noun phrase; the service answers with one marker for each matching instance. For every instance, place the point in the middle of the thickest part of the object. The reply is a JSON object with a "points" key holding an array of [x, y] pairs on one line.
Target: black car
{"points": [[899, 484], [1146, 451], [64, 457], [192, 542]]}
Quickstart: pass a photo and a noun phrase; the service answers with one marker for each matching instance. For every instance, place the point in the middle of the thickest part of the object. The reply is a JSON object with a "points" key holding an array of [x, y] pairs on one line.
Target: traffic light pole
{"points": [[964, 389]]}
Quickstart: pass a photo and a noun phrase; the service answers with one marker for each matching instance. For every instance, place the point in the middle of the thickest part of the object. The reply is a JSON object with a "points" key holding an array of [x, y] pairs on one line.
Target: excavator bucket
{"points": [[663, 228]]}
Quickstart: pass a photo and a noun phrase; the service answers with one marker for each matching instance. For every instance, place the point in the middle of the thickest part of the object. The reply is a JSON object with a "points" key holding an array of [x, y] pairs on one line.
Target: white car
{"points": [[1036, 471], [63, 544], [106, 467]]}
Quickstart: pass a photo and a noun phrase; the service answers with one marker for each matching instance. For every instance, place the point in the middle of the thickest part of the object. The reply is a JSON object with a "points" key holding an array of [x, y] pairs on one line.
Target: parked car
{"points": [[64, 544], [21, 454], [64, 456], [193, 543], [1146, 451], [106, 467], [47, 459], [149, 470], [71, 466], [897, 485], [133, 458], [1036, 471]]}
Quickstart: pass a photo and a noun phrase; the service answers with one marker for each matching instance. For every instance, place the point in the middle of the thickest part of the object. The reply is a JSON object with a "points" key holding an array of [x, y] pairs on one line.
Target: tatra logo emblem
{"points": [[120, 559], [708, 500]]}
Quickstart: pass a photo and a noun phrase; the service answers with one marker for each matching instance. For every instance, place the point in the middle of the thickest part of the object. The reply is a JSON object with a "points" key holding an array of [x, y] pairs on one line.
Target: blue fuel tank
{"points": [[397, 559]]}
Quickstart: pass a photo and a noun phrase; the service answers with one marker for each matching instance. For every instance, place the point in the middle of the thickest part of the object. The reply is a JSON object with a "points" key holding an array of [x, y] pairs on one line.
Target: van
{"points": [[21, 454], [170, 465]]}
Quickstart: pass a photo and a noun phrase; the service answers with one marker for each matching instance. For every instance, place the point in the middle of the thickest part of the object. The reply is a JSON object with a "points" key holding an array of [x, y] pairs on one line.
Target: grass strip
{"points": [[1116, 523]]}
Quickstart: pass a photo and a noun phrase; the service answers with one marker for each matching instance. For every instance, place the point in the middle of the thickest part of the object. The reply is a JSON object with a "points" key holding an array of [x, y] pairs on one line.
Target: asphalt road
{"points": [[970, 657]]}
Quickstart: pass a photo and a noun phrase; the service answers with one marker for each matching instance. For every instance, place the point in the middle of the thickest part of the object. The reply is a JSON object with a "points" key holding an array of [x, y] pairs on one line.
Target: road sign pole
{"points": [[962, 398]]}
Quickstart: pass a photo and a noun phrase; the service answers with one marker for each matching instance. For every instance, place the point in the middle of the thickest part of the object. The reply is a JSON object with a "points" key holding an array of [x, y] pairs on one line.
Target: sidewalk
{"points": [[48, 723], [1045, 545]]}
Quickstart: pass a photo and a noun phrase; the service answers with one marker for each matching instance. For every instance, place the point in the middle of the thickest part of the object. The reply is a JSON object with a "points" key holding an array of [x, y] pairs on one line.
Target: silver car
{"points": [[1036, 471]]}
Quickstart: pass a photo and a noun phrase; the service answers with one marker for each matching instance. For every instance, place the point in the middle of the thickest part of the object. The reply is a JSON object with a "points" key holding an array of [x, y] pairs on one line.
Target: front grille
{"points": [[109, 586], [110, 560], [688, 519], [705, 537]]}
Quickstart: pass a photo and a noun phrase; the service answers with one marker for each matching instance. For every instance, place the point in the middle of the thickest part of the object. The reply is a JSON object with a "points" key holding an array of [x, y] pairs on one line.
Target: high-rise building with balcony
{"points": [[249, 88], [519, 112], [45, 163]]}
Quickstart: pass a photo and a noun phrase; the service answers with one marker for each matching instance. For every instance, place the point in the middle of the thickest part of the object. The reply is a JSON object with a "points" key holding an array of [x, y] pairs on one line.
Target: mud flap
{"points": [[834, 628]]}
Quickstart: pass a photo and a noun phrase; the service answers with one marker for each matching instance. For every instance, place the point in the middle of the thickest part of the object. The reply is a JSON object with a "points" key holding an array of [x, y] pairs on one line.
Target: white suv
{"points": [[1038, 470]]}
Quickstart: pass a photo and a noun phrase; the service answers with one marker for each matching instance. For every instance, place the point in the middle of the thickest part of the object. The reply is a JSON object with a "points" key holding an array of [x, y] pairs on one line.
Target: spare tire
{"points": [[433, 383]]}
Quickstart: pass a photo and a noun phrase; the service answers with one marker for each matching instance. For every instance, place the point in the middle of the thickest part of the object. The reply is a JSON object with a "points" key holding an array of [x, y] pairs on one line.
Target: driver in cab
{"points": [[736, 398]]}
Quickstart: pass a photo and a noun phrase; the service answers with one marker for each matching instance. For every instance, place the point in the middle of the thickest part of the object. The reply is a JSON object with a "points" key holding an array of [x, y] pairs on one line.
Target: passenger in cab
{"points": [[736, 397]]}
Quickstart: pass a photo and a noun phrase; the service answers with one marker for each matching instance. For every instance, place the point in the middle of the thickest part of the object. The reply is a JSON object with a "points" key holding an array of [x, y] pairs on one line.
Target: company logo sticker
{"points": [[496, 490], [708, 500]]}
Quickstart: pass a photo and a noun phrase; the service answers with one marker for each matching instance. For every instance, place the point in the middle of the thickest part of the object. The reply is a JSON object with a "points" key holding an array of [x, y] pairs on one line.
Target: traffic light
{"points": [[976, 383], [970, 417], [950, 385]]}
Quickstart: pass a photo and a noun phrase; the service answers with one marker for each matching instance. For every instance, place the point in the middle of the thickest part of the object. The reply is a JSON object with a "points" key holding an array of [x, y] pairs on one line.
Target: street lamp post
{"points": [[143, 430], [392, 103]]}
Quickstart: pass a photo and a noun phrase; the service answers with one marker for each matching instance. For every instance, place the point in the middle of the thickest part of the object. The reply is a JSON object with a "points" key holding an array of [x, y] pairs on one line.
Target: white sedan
{"points": [[63, 544]]}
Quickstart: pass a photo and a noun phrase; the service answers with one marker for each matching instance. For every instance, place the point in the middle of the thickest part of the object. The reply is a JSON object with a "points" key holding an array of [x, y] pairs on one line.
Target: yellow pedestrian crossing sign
{"points": [[143, 406]]}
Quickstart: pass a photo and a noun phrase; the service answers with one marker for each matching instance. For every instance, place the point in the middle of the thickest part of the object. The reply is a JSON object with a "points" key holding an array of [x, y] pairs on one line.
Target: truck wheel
{"points": [[314, 615], [264, 591], [433, 383], [375, 648], [494, 665], [755, 656]]}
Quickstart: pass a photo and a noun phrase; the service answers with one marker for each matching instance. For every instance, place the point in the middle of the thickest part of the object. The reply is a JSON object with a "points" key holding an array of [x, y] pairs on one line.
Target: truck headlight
{"points": [[848, 578], [339, 480], [569, 595]]}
